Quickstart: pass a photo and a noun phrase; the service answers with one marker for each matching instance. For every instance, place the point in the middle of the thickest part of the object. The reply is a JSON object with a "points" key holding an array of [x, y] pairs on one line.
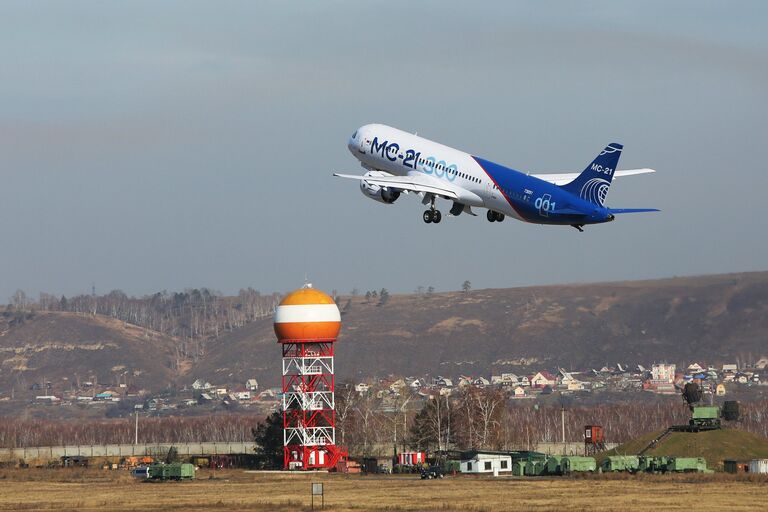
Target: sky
{"points": [[149, 146]]}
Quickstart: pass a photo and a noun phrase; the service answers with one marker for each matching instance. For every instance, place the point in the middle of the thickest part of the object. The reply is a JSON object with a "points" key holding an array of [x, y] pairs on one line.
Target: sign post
{"points": [[317, 490]]}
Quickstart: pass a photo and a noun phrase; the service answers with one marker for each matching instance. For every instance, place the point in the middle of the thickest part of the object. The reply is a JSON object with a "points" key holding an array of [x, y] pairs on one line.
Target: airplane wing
{"points": [[412, 183], [562, 179]]}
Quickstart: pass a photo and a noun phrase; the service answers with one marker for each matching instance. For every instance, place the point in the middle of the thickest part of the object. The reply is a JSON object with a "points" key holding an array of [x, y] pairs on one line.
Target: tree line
{"points": [[478, 418], [192, 314]]}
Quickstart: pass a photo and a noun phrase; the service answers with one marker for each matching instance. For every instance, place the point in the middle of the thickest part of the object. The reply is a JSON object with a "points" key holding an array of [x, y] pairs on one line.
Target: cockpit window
{"points": [[354, 135]]}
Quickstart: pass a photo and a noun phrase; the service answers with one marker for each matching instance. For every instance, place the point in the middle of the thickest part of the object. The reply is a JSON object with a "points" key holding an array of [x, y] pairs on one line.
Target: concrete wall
{"points": [[123, 450]]}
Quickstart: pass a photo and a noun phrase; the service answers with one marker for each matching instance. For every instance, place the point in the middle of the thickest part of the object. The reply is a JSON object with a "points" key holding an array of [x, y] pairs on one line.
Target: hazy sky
{"points": [[164, 145]]}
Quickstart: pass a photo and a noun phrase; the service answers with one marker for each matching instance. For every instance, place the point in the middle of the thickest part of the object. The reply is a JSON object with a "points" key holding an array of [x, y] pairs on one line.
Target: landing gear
{"points": [[578, 226], [432, 215], [495, 216]]}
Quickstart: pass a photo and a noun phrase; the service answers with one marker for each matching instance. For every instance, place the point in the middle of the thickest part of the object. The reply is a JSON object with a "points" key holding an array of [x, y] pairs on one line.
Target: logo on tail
{"points": [[595, 190]]}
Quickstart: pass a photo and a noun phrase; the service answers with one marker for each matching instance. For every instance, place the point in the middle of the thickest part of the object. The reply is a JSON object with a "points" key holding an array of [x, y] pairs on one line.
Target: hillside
{"points": [[62, 347], [709, 318], [713, 319], [714, 445]]}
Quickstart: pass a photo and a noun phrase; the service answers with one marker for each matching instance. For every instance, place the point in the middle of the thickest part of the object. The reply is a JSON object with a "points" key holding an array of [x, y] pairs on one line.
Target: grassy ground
{"points": [[714, 445], [73, 489]]}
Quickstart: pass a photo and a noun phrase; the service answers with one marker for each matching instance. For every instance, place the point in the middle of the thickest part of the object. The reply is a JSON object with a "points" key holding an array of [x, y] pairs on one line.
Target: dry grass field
{"points": [[75, 489]]}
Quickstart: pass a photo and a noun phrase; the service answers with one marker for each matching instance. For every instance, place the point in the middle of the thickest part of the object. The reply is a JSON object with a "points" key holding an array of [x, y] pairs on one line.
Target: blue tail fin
{"points": [[593, 183]]}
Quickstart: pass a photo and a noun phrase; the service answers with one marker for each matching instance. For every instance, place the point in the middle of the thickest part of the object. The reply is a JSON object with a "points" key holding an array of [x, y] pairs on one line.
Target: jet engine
{"points": [[378, 193]]}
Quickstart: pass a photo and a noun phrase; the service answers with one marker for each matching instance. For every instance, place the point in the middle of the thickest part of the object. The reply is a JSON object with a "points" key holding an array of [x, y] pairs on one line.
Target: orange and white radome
{"points": [[307, 314]]}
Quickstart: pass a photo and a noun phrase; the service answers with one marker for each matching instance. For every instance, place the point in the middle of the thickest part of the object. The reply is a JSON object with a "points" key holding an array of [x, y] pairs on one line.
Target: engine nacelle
{"points": [[376, 192]]}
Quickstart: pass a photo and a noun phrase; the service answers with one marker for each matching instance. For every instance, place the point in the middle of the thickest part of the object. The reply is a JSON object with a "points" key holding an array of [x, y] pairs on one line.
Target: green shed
{"points": [[552, 466], [534, 468]]}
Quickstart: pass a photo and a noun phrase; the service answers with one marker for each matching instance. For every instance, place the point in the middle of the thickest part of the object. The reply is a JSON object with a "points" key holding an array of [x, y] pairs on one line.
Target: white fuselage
{"points": [[383, 148]]}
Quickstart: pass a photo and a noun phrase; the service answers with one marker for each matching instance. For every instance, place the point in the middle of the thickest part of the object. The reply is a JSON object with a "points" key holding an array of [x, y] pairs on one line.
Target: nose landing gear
{"points": [[432, 215]]}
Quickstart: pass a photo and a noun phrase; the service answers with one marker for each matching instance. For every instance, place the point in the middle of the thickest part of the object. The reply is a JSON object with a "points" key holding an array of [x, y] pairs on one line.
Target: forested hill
{"points": [[712, 319]]}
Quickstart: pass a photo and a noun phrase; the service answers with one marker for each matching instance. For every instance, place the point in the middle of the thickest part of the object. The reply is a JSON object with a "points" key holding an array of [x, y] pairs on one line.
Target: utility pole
{"points": [[562, 416], [136, 429]]}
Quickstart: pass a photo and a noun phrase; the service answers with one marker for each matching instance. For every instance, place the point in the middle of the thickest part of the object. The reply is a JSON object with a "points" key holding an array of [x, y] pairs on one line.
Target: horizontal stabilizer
{"points": [[563, 178], [617, 211]]}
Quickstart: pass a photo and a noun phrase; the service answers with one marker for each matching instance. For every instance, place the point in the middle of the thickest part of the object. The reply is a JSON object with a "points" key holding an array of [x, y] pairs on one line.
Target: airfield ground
{"points": [[78, 489]]}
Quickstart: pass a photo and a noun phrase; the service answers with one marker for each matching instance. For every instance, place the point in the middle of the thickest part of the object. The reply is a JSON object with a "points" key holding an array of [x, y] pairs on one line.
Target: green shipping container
{"points": [[578, 465], [629, 463], [687, 465], [175, 471], [518, 468]]}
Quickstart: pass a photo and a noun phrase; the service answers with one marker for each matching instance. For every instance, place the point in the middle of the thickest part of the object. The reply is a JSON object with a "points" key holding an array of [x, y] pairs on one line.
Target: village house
{"points": [[200, 384], [543, 379], [251, 385]]}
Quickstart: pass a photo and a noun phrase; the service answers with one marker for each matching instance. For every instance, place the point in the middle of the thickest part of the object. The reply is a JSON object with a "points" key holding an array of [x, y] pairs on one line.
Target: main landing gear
{"points": [[578, 226], [495, 216], [432, 215]]}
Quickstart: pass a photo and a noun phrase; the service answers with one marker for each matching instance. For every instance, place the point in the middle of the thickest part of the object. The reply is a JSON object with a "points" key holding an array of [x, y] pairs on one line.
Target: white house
{"points": [[251, 385], [243, 394], [519, 392], [730, 368], [542, 379], [486, 462], [201, 384], [362, 388]]}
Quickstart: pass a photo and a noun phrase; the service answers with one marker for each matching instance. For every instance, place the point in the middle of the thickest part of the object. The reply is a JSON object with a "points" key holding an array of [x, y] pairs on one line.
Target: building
{"points": [[663, 373], [251, 385], [485, 462], [519, 392], [543, 379]]}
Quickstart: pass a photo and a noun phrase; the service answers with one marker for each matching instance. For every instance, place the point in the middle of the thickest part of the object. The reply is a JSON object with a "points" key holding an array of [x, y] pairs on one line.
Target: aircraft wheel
{"points": [[499, 217], [437, 216], [428, 216], [491, 216]]}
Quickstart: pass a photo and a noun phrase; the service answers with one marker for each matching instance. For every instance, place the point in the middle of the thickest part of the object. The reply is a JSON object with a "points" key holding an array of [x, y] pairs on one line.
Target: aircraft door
{"points": [[490, 190]]}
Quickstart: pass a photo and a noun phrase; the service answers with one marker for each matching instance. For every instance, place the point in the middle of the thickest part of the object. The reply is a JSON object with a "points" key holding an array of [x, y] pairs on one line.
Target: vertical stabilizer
{"points": [[593, 183]]}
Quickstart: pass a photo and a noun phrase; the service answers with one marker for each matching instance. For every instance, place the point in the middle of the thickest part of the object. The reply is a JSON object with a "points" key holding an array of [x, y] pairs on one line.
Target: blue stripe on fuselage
{"points": [[522, 192]]}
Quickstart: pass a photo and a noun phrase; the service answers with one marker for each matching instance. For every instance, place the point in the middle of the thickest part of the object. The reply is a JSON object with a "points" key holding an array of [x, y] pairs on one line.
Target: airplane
{"points": [[399, 162]]}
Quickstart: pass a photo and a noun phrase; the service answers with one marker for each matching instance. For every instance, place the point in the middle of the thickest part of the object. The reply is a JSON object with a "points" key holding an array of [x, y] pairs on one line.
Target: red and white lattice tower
{"points": [[307, 323]]}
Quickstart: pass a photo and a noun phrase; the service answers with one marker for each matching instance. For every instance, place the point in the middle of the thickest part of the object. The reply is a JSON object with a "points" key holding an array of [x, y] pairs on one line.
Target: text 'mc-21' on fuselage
{"points": [[399, 162]]}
